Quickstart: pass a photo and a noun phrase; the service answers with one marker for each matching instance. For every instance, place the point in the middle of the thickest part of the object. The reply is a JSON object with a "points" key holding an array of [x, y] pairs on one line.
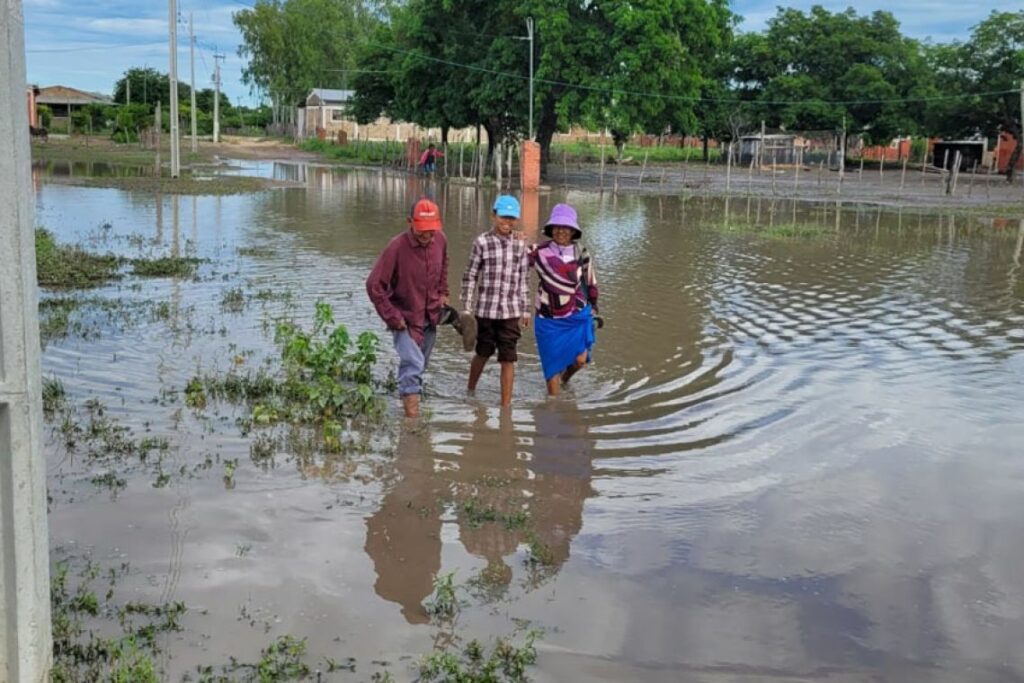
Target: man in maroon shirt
{"points": [[408, 286]]}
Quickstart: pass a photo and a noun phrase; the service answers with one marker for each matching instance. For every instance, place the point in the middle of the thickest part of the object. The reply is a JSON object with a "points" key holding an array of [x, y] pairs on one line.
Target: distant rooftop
{"points": [[62, 94], [328, 96]]}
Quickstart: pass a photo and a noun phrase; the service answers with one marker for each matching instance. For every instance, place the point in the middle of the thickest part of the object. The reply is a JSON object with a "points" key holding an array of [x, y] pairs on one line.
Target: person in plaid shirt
{"points": [[495, 289]]}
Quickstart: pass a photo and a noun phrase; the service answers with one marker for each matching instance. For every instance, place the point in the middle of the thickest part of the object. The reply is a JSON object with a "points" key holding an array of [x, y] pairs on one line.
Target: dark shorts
{"points": [[502, 335]]}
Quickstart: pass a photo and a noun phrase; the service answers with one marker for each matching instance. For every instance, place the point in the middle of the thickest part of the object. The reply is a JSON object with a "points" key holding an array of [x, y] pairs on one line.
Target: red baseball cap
{"points": [[425, 215]]}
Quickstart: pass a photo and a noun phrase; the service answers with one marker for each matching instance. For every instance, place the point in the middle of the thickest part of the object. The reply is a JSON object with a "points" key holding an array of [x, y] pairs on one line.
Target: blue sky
{"points": [[89, 44]]}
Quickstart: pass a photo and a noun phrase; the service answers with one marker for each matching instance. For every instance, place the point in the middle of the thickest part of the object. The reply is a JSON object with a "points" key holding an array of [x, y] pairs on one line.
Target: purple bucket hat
{"points": [[565, 216]]}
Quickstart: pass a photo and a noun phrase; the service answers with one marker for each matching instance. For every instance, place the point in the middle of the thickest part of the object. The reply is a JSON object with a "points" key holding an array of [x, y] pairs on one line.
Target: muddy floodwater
{"points": [[798, 454]]}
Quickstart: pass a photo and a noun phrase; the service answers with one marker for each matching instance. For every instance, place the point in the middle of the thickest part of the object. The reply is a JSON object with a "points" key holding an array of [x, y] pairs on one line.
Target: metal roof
{"points": [[330, 95], [61, 94]]}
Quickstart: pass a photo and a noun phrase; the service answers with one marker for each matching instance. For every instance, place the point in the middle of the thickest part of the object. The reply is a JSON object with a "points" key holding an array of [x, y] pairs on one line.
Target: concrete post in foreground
{"points": [[25, 647]]}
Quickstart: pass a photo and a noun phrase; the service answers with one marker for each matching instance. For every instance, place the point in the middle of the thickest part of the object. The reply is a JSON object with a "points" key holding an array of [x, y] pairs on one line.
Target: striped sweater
{"points": [[568, 281]]}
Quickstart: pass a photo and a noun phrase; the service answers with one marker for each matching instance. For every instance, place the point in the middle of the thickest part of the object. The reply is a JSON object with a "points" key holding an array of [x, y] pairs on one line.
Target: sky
{"points": [[89, 44]]}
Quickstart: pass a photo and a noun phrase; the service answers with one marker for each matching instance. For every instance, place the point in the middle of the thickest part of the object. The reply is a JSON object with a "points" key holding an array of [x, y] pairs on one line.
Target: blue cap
{"points": [[506, 206]]}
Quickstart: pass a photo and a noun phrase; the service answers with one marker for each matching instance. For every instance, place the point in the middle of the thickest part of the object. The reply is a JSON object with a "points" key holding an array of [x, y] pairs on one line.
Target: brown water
{"points": [[793, 457]]}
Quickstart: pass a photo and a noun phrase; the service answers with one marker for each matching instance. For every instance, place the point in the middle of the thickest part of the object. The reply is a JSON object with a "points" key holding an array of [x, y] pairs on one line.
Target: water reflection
{"points": [[797, 450], [508, 488]]}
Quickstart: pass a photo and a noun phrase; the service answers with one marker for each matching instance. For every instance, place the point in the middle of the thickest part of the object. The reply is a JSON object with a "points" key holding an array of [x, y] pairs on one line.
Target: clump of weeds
{"points": [[54, 396], [282, 660], [504, 663], [324, 381], [67, 267], [165, 266], [81, 654], [444, 603], [233, 300]]}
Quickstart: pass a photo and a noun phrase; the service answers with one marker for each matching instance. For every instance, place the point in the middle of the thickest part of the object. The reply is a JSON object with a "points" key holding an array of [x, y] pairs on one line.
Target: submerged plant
{"points": [[505, 663], [444, 603]]}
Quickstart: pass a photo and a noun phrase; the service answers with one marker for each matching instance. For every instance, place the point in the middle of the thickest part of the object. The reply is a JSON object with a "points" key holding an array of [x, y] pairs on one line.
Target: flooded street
{"points": [[798, 454]]}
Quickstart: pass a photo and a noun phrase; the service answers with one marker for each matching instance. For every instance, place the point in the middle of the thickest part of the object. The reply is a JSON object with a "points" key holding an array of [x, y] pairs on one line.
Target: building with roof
{"points": [[63, 101], [325, 114]]}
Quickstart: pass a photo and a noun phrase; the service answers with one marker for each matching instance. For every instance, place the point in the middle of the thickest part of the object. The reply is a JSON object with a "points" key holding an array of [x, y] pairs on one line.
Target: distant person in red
{"points": [[428, 160]]}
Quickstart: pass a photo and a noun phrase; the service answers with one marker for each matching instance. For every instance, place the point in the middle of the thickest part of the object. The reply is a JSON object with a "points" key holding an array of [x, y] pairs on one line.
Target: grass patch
{"points": [[165, 266], [66, 267], [358, 152], [779, 231], [584, 151]]}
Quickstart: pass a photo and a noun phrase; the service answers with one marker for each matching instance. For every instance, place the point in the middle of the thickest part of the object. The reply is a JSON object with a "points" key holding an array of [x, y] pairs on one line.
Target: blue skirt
{"points": [[561, 340]]}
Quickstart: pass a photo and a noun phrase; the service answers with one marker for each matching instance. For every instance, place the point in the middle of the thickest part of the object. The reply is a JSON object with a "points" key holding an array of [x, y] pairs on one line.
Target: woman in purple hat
{"points": [[566, 299]]}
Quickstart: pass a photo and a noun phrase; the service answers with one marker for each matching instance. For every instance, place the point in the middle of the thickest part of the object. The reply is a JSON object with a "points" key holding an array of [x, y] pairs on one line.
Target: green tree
{"points": [[148, 87], [991, 61], [813, 70], [293, 46]]}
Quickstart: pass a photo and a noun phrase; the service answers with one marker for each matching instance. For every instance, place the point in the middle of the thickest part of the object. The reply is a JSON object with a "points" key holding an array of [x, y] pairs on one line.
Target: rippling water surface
{"points": [[799, 453]]}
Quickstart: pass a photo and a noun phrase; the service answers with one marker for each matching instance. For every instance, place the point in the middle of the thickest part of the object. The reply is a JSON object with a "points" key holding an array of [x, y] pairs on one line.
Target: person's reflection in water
{"points": [[561, 467], [490, 491], [403, 538], [509, 493]]}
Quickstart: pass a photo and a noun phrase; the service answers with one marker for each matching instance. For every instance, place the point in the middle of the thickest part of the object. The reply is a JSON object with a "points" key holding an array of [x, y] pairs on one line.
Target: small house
{"points": [[63, 101], [777, 148]]}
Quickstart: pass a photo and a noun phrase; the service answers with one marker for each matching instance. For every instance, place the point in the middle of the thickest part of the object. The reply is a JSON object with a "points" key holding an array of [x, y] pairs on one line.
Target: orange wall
{"points": [[1003, 151]]}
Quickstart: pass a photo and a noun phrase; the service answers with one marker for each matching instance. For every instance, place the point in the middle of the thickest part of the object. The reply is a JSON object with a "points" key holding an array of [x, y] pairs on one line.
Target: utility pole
{"points": [[529, 37], [192, 68], [216, 96], [172, 13], [25, 645]]}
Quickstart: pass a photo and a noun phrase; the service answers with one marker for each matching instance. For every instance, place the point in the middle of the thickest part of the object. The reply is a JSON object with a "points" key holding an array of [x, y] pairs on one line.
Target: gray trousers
{"points": [[412, 359]]}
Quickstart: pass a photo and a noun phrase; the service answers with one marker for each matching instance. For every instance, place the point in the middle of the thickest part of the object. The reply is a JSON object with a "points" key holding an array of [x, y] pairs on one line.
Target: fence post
{"points": [[860, 172], [728, 169], [903, 173], [643, 170]]}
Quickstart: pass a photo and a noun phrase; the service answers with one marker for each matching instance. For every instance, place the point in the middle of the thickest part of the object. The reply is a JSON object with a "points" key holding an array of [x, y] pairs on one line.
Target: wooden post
{"points": [[643, 169], [157, 125], [773, 174], [860, 172], [881, 168], [903, 173], [821, 166], [796, 173], [970, 186], [565, 170], [728, 169], [956, 172], [750, 175], [462, 149], [602, 161], [943, 177]]}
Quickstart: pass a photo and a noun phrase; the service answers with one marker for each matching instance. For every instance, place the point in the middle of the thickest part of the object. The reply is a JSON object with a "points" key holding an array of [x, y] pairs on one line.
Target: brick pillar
{"points": [[412, 152], [531, 213], [529, 162]]}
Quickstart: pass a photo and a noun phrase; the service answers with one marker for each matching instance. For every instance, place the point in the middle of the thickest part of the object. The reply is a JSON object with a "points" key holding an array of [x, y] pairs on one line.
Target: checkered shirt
{"points": [[496, 282]]}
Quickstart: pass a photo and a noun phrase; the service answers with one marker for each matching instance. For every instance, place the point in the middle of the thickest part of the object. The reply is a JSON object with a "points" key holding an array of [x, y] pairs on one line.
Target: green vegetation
{"points": [[443, 604], [71, 267], [779, 230], [81, 654], [165, 266], [357, 151], [67, 267], [585, 151], [505, 663], [325, 380]]}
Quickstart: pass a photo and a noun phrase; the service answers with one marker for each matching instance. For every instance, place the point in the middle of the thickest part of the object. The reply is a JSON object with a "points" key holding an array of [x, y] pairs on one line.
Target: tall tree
{"points": [[293, 46], [992, 61], [148, 86], [811, 70]]}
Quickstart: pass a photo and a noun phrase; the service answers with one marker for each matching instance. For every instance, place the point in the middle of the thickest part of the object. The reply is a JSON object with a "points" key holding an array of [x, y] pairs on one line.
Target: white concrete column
{"points": [[25, 647]]}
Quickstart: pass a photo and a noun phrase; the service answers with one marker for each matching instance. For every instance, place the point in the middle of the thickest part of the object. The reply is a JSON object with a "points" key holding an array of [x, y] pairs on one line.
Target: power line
{"points": [[622, 91], [91, 47]]}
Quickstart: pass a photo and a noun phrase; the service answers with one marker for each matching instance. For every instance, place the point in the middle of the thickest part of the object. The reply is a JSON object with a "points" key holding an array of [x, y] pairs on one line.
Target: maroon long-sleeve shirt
{"points": [[409, 281]]}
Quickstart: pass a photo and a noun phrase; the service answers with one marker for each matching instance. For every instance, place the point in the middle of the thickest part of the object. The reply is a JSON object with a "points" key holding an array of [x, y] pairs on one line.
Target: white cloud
{"points": [[128, 26]]}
